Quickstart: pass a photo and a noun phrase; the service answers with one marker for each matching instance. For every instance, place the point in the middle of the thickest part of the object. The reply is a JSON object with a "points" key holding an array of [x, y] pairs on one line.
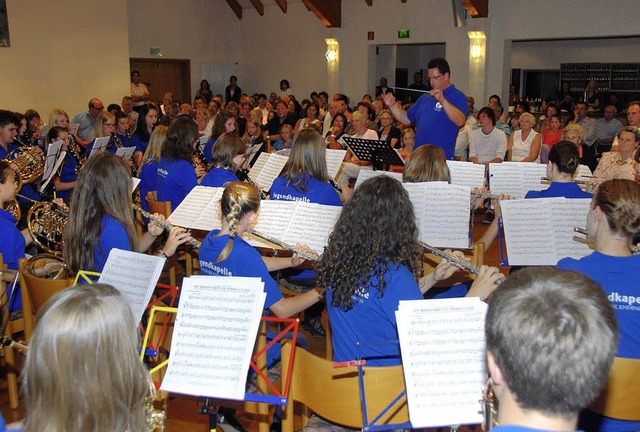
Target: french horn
{"points": [[47, 266], [46, 227], [14, 208], [27, 163]]}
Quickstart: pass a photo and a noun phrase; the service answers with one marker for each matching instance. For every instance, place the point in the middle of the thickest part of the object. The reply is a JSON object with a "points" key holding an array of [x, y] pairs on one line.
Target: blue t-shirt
{"points": [[68, 175], [175, 180], [138, 143], [208, 150], [148, 181], [515, 428], [317, 192], [372, 319], [10, 147], [114, 235], [12, 246], [432, 124], [620, 278], [218, 177], [558, 190], [243, 261]]}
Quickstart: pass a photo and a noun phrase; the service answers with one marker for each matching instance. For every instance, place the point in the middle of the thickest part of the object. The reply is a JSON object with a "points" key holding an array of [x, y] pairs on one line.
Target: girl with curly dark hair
{"points": [[373, 261]]}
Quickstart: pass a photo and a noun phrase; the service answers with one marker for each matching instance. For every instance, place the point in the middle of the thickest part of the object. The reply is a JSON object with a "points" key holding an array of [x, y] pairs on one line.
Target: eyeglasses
{"points": [[433, 78], [98, 108]]}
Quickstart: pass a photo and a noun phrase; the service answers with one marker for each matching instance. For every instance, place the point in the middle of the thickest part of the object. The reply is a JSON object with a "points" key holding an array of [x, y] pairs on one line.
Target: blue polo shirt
{"points": [[432, 124], [558, 190], [175, 179], [218, 177]]}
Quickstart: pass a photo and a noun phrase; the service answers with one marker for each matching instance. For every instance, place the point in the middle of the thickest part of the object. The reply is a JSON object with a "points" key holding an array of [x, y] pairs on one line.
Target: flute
{"points": [[164, 224], [455, 261], [634, 248], [54, 206], [286, 246], [580, 182], [486, 195]]}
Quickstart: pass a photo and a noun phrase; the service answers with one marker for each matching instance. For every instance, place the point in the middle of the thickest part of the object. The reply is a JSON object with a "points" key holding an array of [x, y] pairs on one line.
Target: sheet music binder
{"points": [[377, 152]]}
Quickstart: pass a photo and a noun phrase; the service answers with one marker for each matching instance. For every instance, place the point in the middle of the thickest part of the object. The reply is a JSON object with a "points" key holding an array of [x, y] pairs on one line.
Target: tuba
{"points": [[27, 163]]}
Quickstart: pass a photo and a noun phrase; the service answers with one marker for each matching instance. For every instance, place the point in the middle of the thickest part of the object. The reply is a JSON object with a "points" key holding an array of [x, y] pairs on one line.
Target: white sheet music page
{"points": [[54, 170], [99, 145], [532, 174], [52, 156], [466, 174], [334, 161], [443, 356], [214, 335], [125, 153], [73, 128], [528, 231], [442, 213], [135, 275], [506, 178], [135, 181], [258, 165], [311, 225], [583, 173], [199, 209], [365, 175], [567, 214], [270, 171]]}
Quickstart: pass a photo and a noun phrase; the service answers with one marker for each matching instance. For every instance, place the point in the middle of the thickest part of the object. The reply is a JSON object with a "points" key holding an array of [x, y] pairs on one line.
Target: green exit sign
{"points": [[403, 34]]}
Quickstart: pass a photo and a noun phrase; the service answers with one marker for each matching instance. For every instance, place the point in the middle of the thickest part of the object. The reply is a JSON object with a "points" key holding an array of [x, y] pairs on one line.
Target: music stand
{"points": [[377, 152]]}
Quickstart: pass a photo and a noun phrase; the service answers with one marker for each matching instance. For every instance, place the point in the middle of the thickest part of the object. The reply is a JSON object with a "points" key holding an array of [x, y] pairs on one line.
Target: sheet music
{"points": [[43, 131], [532, 174], [199, 209], [528, 230], [442, 213], [99, 145], [311, 225], [567, 214], [334, 161], [59, 161], [274, 217], [365, 175], [73, 128], [270, 171], [52, 156], [466, 174], [135, 181], [250, 154], [214, 335], [583, 173], [125, 153], [135, 275], [443, 356], [506, 178]]}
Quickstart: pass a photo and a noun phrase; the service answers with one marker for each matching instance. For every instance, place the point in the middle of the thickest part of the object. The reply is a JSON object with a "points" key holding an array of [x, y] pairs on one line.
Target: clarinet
{"points": [[242, 175], [335, 185], [119, 145]]}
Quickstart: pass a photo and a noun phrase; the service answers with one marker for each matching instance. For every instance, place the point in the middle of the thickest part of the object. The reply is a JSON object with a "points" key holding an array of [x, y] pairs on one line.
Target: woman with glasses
{"points": [[388, 132]]}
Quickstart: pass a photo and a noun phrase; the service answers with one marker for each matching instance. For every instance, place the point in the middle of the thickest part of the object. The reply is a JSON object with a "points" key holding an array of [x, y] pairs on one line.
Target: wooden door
{"points": [[163, 75]]}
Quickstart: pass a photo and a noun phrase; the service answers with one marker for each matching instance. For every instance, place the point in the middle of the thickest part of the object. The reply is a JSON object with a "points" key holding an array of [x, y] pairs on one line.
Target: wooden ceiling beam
{"points": [[283, 5], [369, 2], [259, 6], [235, 7], [477, 8], [328, 11], [403, 1]]}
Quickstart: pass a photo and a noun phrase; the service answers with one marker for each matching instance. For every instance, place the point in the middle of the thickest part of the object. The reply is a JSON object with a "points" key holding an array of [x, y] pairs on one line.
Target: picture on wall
{"points": [[4, 25]]}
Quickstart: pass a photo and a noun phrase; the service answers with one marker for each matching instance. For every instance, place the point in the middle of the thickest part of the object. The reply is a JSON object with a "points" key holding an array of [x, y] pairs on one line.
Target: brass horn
{"points": [[46, 226], [27, 163], [47, 266], [14, 208]]}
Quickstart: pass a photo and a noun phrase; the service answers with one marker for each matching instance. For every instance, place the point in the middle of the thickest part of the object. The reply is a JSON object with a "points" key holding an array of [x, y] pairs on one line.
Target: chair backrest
{"points": [[619, 399], [477, 259], [160, 207], [35, 293], [334, 393]]}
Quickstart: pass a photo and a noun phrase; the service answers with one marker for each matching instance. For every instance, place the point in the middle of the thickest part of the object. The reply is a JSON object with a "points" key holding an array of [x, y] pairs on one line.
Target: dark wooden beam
{"points": [[403, 1], [282, 4], [477, 8], [328, 11], [259, 6], [235, 7], [369, 2]]}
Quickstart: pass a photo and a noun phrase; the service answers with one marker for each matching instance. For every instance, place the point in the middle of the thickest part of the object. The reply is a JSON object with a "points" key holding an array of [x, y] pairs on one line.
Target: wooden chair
{"points": [[35, 293], [334, 394], [619, 399], [9, 355]]}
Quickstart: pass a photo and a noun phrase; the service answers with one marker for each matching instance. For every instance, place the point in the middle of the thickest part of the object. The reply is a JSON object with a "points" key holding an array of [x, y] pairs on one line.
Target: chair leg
{"points": [[12, 378]]}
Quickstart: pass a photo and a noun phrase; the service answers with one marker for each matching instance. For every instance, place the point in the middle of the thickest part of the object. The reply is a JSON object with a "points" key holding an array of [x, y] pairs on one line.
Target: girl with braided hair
{"points": [[225, 253]]}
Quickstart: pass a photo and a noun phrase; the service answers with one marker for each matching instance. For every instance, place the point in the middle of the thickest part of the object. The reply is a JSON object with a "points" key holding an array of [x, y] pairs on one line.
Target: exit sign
{"points": [[403, 34]]}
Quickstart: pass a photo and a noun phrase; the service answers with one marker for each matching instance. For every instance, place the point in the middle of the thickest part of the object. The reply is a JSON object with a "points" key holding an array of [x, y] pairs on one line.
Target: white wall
{"points": [[202, 31], [63, 53]]}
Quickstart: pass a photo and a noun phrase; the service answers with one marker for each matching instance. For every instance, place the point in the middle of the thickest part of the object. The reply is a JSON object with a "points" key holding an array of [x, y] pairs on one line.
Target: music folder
{"points": [[377, 152]]}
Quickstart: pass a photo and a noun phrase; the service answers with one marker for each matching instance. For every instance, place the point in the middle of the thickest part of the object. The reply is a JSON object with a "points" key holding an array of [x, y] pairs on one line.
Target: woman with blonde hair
{"points": [[427, 163], [82, 371], [525, 143], [574, 133], [226, 158], [149, 165], [58, 117]]}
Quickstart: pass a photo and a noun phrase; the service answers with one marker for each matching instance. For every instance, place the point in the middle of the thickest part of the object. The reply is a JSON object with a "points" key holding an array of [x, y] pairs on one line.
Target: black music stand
{"points": [[379, 153]]}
